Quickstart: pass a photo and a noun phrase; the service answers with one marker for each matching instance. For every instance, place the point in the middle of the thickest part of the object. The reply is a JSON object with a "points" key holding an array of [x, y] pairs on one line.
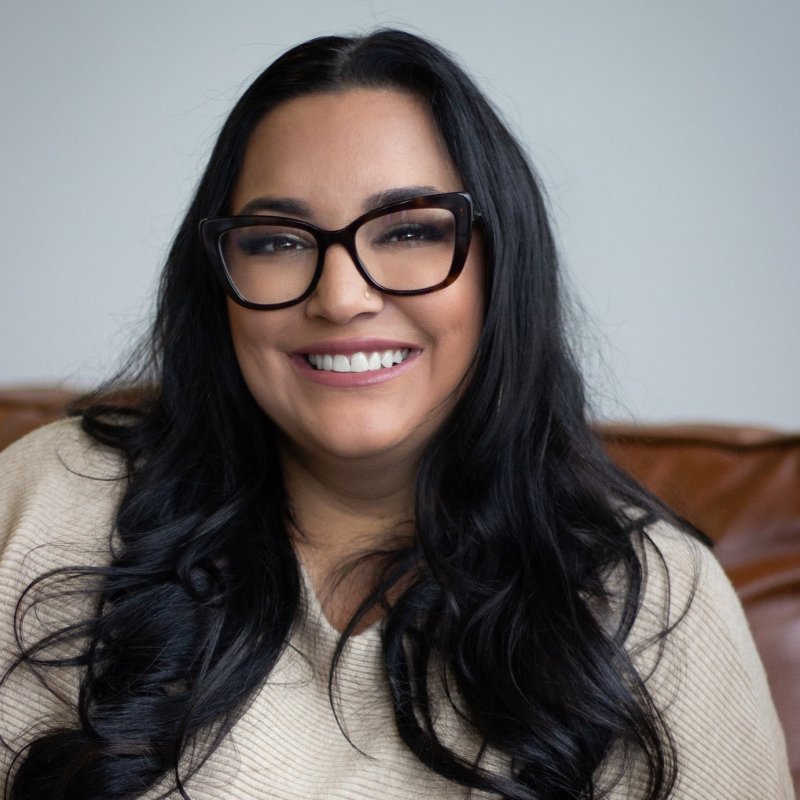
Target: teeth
{"points": [[358, 362], [341, 364]]}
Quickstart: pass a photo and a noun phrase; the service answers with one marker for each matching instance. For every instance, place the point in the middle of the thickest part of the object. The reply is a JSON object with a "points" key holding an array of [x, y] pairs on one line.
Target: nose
{"points": [[342, 292]]}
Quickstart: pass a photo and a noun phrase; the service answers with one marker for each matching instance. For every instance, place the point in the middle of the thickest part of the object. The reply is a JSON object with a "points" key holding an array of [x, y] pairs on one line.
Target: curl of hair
{"points": [[517, 513]]}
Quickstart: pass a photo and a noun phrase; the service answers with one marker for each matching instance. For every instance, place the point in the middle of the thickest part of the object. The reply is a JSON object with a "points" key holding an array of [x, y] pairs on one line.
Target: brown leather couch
{"points": [[739, 485]]}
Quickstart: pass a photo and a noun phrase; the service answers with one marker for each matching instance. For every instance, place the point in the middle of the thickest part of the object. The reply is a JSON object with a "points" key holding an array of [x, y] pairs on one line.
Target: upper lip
{"points": [[347, 347]]}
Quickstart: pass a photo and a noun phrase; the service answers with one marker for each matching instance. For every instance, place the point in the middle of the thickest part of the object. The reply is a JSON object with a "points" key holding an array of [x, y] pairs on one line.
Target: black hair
{"points": [[519, 516]]}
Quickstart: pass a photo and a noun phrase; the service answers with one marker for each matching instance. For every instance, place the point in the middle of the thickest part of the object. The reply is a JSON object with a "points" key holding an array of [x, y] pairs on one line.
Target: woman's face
{"points": [[330, 158]]}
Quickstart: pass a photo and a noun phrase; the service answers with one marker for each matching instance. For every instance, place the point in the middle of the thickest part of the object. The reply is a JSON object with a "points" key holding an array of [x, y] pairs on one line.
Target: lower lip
{"points": [[352, 380]]}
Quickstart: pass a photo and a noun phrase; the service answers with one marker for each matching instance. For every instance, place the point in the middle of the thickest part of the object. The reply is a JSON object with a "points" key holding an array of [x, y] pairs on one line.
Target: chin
{"points": [[363, 441], [368, 447]]}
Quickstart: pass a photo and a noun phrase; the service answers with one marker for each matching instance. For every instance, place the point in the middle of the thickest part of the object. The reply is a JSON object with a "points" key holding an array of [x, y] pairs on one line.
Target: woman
{"points": [[360, 542]]}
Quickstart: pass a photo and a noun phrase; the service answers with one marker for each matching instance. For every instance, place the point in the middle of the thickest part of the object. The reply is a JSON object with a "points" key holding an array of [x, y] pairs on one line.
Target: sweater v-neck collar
{"points": [[315, 625]]}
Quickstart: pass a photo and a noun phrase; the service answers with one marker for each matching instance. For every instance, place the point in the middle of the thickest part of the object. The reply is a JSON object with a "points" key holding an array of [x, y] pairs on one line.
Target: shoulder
{"points": [[56, 485], [705, 675], [51, 449], [687, 585]]}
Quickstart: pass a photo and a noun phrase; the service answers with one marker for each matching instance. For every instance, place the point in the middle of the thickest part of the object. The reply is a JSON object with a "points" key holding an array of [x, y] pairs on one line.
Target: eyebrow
{"points": [[277, 205], [294, 207], [397, 196]]}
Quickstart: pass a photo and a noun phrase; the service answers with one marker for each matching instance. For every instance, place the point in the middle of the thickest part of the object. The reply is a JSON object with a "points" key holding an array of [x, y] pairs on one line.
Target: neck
{"points": [[340, 511]]}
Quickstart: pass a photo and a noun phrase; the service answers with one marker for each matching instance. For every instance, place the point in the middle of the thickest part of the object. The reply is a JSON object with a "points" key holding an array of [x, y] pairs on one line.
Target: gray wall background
{"points": [[666, 133]]}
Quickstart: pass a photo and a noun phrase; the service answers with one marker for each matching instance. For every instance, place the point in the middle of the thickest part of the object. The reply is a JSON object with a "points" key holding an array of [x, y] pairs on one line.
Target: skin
{"points": [[350, 453]]}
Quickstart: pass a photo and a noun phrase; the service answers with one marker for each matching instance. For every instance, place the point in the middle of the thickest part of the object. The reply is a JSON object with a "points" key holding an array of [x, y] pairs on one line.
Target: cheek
{"points": [[244, 335], [468, 306], [241, 327], [254, 335], [253, 330], [454, 321]]}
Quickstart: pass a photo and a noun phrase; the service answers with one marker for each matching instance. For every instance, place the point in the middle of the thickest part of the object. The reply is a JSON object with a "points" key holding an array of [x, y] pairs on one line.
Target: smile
{"points": [[357, 362]]}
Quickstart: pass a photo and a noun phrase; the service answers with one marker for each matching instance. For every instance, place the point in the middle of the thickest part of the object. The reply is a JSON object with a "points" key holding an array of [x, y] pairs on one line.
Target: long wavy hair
{"points": [[518, 518]]}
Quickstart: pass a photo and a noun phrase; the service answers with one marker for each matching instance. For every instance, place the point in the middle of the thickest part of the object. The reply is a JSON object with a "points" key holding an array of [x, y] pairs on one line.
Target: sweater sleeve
{"points": [[709, 681]]}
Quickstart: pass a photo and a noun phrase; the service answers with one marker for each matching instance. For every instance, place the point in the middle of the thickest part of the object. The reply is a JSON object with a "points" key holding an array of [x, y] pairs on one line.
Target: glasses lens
{"points": [[409, 249], [269, 263]]}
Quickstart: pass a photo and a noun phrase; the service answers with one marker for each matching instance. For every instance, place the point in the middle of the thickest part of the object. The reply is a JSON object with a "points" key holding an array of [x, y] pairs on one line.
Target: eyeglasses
{"points": [[412, 247]]}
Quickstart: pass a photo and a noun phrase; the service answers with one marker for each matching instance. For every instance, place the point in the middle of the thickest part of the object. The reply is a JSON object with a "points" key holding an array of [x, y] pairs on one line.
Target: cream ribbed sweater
{"points": [[54, 511]]}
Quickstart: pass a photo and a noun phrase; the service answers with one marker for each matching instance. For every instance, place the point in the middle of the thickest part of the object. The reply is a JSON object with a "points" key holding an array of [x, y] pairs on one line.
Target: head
{"points": [[520, 339]]}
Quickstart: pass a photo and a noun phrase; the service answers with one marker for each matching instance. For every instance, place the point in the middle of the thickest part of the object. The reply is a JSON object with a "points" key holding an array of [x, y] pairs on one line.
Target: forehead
{"points": [[332, 150]]}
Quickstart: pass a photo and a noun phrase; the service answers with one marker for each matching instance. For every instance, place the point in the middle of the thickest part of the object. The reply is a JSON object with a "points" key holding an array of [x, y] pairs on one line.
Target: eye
{"points": [[412, 233], [261, 242]]}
